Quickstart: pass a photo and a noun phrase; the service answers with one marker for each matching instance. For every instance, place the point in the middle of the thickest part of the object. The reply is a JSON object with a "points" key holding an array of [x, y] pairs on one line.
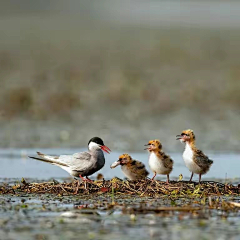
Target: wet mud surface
{"points": [[115, 214]]}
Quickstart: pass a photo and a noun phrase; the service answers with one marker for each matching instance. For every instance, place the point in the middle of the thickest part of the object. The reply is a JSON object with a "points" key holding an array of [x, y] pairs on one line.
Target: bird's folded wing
{"points": [[135, 166], [167, 161], [140, 169], [202, 160], [77, 161]]}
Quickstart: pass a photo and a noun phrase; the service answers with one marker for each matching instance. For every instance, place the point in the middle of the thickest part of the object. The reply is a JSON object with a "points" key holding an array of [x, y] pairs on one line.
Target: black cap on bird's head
{"points": [[100, 143], [96, 140]]}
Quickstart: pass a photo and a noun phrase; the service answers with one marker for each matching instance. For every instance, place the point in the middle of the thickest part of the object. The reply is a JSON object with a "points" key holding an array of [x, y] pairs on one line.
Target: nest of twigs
{"points": [[118, 186]]}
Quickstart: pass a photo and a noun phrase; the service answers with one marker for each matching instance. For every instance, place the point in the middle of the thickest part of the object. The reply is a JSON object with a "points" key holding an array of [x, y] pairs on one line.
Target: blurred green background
{"points": [[126, 71]]}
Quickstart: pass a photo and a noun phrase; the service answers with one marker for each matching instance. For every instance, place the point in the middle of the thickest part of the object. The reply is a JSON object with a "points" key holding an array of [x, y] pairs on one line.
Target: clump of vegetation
{"points": [[141, 188]]}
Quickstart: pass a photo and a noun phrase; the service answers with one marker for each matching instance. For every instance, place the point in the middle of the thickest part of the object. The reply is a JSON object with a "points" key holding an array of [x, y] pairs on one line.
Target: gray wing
{"points": [[77, 161]]}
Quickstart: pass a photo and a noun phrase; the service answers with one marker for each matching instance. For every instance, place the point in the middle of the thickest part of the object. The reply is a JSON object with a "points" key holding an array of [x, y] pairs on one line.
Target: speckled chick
{"points": [[132, 169], [159, 162], [195, 160]]}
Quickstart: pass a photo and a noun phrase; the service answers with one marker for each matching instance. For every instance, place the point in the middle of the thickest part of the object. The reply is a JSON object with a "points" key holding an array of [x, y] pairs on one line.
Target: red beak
{"points": [[105, 149]]}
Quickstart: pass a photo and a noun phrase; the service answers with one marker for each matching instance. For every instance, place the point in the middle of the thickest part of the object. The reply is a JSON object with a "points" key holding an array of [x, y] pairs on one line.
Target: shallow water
{"points": [[51, 217], [33, 216], [14, 163]]}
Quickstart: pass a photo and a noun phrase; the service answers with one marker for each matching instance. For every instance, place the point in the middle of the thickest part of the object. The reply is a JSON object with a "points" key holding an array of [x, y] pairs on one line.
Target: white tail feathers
{"points": [[50, 159]]}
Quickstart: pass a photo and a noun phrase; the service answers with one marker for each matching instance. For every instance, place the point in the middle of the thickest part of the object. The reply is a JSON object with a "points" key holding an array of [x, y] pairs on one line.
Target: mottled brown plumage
{"points": [[196, 161], [159, 162], [132, 169]]}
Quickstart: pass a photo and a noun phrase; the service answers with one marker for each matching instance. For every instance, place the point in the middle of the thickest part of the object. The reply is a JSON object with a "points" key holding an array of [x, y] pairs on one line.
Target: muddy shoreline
{"points": [[115, 210]]}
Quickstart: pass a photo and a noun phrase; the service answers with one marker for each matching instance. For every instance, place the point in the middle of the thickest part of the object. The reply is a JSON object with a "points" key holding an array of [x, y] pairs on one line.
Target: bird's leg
{"points": [[191, 177], [78, 184], [154, 176], [200, 175], [89, 180], [167, 179], [86, 179]]}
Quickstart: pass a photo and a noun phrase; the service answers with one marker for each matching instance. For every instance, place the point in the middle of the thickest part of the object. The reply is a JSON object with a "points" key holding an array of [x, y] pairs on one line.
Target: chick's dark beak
{"points": [[146, 146], [178, 137]]}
